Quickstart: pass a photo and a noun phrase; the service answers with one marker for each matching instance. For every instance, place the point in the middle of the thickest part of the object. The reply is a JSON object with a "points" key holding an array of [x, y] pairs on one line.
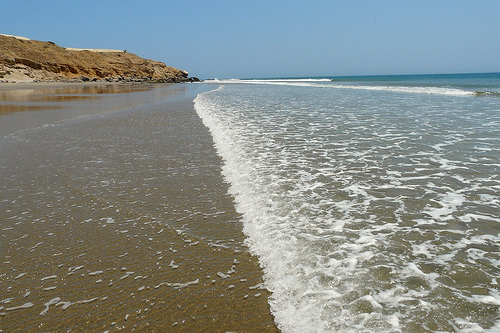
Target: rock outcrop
{"points": [[25, 60]]}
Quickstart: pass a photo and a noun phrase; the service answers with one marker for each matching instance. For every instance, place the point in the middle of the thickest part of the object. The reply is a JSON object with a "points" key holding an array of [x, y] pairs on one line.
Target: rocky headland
{"points": [[26, 60]]}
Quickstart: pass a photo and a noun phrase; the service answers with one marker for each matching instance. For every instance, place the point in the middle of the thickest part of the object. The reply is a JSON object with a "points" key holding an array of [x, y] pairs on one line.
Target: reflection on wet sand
{"points": [[45, 98], [11, 108], [48, 103], [17, 90], [27, 93]]}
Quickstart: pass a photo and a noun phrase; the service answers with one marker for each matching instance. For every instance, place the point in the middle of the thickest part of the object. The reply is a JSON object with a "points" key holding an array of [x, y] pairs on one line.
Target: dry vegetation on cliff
{"points": [[24, 60]]}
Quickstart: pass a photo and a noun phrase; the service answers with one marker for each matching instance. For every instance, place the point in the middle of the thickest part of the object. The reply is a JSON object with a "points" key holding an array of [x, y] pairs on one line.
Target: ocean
{"points": [[372, 203]]}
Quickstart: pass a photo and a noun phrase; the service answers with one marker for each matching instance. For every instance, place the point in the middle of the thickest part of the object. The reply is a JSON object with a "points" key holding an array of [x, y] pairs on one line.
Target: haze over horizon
{"points": [[227, 39]]}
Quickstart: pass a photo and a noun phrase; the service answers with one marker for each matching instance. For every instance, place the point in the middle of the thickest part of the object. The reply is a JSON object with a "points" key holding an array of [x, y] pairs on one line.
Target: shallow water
{"points": [[373, 206], [115, 216]]}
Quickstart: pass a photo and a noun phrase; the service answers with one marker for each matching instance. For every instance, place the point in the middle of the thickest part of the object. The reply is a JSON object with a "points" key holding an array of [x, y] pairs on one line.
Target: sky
{"points": [[264, 39]]}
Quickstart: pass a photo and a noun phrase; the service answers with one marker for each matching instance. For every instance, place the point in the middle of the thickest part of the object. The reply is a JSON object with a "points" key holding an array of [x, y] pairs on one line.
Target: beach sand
{"points": [[119, 220]]}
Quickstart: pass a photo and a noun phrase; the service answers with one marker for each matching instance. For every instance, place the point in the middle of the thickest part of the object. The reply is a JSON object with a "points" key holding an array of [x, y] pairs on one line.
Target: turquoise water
{"points": [[373, 203], [484, 83]]}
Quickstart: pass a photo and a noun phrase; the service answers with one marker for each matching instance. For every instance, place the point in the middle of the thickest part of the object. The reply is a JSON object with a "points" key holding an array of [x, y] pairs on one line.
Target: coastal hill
{"points": [[26, 60]]}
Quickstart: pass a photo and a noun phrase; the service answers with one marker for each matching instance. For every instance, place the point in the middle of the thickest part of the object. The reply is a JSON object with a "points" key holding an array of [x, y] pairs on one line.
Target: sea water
{"points": [[373, 203]]}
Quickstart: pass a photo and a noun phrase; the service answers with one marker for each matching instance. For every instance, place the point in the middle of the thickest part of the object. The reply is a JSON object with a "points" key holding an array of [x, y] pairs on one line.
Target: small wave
{"points": [[486, 93], [417, 90], [268, 81], [291, 80], [327, 83]]}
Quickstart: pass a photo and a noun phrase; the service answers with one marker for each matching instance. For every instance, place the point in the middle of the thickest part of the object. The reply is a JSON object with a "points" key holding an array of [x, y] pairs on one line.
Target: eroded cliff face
{"points": [[24, 60]]}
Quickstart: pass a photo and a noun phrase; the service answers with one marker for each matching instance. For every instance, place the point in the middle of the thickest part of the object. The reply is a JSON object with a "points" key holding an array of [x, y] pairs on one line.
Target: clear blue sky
{"points": [[275, 38]]}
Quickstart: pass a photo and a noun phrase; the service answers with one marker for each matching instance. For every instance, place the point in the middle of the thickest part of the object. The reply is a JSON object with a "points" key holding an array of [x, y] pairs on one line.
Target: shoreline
{"points": [[122, 235], [21, 79]]}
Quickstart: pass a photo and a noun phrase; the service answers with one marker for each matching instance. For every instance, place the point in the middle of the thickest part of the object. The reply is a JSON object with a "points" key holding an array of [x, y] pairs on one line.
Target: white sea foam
{"points": [[178, 285], [366, 215], [286, 80], [53, 301], [64, 305], [24, 306], [326, 83]]}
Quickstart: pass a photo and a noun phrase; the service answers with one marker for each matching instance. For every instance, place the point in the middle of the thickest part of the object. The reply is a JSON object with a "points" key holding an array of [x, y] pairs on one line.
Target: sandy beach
{"points": [[115, 216]]}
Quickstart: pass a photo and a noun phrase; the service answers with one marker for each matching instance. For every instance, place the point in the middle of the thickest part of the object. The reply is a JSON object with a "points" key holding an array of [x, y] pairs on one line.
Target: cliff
{"points": [[25, 60]]}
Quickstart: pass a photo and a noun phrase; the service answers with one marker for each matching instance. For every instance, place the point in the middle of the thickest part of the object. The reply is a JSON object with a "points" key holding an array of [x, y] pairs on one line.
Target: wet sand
{"points": [[120, 220]]}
